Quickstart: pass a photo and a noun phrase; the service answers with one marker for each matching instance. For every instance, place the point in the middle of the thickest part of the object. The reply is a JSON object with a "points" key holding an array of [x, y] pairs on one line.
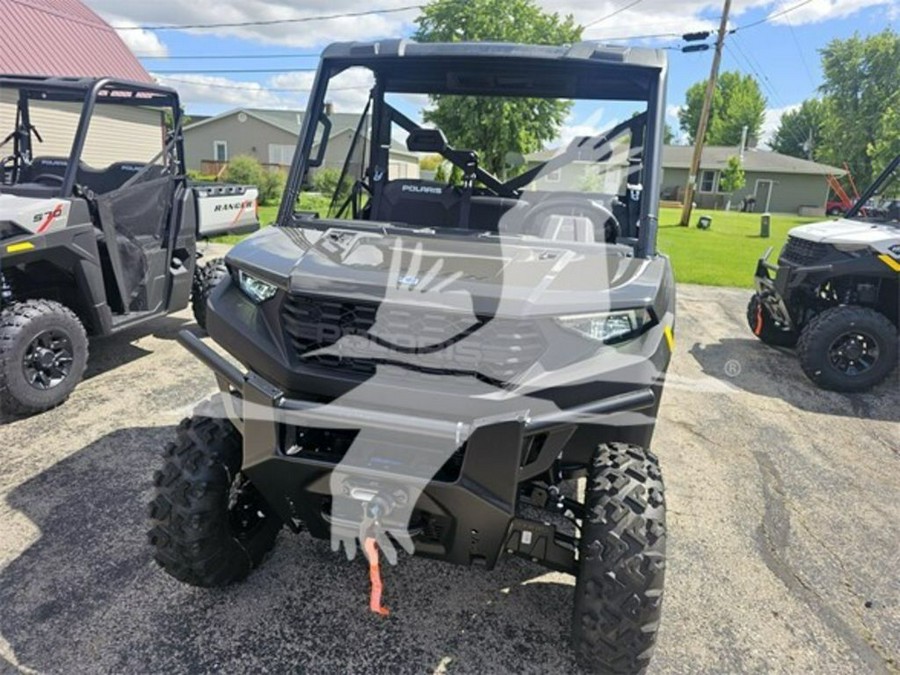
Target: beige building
{"points": [[271, 136]]}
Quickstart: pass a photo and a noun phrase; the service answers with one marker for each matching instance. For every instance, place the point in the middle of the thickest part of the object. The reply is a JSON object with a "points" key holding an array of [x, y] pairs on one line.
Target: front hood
{"points": [[849, 232], [509, 275], [34, 214]]}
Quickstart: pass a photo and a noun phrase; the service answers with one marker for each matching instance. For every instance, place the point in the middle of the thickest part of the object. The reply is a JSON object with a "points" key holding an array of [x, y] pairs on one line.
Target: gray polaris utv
{"points": [[98, 226], [834, 292], [467, 368]]}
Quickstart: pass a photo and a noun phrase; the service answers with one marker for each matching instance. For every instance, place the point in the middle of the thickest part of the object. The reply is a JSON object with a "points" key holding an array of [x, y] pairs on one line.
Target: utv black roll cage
{"points": [[90, 92], [584, 70]]}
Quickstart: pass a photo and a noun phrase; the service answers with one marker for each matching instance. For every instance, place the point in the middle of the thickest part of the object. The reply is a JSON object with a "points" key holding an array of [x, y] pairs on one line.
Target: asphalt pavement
{"points": [[784, 536]]}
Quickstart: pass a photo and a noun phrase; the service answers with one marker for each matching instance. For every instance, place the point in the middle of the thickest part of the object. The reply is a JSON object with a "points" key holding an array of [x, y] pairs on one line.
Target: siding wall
{"points": [[789, 192], [117, 133], [251, 137]]}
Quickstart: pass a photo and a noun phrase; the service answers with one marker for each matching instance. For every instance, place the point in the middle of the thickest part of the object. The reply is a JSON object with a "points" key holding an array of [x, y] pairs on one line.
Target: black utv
{"points": [[98, 226], [464, 369], [834, 292]]}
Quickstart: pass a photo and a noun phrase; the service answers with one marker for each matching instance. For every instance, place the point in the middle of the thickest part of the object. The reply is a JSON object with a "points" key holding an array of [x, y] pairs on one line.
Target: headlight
{"points": [[256, 289], [608, 327]]}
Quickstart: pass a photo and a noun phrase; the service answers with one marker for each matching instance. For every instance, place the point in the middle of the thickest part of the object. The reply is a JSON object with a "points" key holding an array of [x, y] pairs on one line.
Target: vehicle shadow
{"points": [[775, 372], [113, 351], [83, 594]]}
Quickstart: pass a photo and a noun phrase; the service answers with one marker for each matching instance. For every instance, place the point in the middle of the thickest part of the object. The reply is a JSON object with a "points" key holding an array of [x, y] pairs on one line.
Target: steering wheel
{"points": [[47, 178], [599, 215]]}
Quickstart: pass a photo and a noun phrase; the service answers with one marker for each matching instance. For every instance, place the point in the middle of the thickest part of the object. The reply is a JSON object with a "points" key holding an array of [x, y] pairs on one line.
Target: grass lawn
{"points": [[725, 254]]}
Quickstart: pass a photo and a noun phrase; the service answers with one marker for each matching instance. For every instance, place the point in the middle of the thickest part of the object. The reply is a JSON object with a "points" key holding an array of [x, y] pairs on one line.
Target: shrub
{"points": [[326, 181], [271, 187], [244, 170], [196, 176]]}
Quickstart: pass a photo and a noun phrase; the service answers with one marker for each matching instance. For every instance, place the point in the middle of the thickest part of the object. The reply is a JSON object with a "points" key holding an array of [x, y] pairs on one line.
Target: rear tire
{"points": [[209, 525], [43, 354], [618, 593], [764, 326], [206, 278], [848, 348]]}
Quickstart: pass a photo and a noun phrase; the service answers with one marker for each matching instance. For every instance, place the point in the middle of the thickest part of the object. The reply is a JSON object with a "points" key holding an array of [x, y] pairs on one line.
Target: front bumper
{"points": [[471, 514], [775, 285]]}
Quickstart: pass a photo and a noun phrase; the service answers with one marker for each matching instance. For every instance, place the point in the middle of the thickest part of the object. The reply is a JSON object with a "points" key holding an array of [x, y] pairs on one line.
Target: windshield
{"points": [[39, 131], [883, 206], [524, 165]]}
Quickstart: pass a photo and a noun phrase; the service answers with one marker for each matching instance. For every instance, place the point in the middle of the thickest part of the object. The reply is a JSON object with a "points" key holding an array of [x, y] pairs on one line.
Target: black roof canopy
{"points": [[586, 70], [109, 90]]}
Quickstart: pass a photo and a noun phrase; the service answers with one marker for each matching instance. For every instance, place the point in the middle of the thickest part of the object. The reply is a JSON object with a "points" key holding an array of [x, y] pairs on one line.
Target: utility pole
{"points": [[704, 119]]}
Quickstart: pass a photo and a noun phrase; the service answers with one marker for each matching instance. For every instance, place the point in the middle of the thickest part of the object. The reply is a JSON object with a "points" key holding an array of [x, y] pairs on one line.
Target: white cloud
{"points": [[772, 121], [221, 91], [348, 91], [650, 17], [141, 42], [672, 111], [177, 12], [826, 10]]}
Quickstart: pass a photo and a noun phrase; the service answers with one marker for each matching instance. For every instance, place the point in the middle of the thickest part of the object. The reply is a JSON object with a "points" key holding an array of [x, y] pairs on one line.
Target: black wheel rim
{"points": [[853, 353], [48, 359], [246, 508]]}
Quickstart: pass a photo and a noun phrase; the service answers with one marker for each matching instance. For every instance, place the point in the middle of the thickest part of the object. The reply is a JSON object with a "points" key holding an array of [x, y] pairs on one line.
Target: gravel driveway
{"points": [[784, 524]]}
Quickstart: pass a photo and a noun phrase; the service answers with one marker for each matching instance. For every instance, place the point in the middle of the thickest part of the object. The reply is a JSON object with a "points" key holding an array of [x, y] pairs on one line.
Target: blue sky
{"points": [[783, 51]]}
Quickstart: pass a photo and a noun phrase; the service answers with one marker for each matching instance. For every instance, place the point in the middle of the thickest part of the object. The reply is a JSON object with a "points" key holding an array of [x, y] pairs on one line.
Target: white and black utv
{"points": [[467, 370], [834, 292], [98, 226]]}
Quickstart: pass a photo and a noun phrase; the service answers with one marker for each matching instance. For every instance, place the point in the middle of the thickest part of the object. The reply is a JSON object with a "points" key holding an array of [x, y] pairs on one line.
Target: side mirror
{"points": [[426, 140]]}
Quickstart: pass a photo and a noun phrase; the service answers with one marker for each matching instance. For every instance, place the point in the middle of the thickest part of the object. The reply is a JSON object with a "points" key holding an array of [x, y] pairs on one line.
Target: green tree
{"points": [[668, 134], [732, 177], [737, 102], [799, 132], [495, 126], [430, 162], [861, 98]]}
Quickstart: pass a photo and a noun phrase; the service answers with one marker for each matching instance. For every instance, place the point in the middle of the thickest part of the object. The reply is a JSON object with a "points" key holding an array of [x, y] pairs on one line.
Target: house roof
{"points": [[715, 157], [286, 120], [397, 148], [62, 38]]}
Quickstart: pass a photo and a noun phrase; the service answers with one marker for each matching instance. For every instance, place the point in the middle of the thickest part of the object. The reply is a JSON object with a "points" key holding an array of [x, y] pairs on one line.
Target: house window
{"points": [[553, 176], [281, 154], [707, 181], [220, 151]]}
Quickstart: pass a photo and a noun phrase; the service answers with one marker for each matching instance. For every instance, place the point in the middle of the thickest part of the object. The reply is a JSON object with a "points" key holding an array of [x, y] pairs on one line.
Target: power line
{"points": [[612, 14], [768, 18], [765, 82], [259, 88], [220, 71], [806, 67], [208, 57], [273, 22]]}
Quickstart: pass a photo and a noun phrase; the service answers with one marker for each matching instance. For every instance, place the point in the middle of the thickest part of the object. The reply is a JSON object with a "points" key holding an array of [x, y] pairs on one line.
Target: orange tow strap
{"points": [[757, 330], [375, 578]]}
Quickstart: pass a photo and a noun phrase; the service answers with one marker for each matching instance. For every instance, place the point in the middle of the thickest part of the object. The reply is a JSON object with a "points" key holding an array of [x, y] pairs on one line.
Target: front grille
{"points": [[493, 350], [802, 251]]}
